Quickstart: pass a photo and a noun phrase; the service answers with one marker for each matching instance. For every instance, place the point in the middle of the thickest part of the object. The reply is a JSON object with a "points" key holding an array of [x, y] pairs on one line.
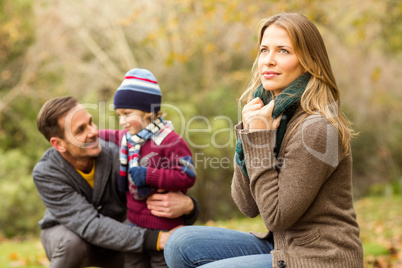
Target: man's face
{"points": [[80, 134]]}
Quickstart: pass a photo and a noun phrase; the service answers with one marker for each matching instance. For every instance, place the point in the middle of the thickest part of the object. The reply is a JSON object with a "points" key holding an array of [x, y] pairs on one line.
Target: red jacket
{"points": [[163, 156]]}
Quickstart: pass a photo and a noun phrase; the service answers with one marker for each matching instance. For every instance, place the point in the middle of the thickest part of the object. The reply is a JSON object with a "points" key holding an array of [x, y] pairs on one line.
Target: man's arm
{"points": [[173, 205], [68, 207]]}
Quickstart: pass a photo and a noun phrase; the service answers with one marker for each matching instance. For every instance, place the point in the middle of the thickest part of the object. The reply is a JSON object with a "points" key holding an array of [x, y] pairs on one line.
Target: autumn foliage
{"points": [[201, 52]]}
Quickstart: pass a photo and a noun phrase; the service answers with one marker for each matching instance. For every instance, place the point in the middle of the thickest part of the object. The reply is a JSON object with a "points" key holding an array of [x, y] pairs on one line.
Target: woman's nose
{"points": [[270, 60], [268, 57]]}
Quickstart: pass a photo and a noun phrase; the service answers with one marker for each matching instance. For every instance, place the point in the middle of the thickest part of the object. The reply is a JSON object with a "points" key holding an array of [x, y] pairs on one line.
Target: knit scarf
{"points": [[285, 103], [130, 150]]}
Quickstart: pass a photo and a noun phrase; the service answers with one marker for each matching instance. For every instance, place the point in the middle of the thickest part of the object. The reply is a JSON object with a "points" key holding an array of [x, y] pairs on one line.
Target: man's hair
{"points": [[50, 113]]}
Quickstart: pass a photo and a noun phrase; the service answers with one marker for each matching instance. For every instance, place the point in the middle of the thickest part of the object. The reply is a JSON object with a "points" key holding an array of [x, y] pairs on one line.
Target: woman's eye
{"points": [[263, 50], [283, 51]]}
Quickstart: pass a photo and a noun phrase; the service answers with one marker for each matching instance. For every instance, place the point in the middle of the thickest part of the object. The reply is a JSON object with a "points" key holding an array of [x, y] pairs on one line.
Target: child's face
{"points": [[133, 120]]}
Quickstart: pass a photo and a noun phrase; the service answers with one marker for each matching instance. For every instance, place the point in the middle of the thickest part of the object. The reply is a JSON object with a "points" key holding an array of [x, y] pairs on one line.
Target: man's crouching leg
{"points": [[63, 247]]}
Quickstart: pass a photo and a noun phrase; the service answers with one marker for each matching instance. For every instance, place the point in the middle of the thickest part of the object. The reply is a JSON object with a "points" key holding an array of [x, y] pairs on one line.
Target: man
{"points": [[77, 181]]}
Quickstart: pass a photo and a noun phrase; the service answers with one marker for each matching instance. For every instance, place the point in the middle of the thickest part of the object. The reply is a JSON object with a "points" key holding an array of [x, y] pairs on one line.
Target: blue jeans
{"points": [[193, 246]]}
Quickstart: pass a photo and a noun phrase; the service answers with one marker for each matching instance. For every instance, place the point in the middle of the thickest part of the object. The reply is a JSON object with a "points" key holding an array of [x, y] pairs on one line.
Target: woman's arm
{"points": [[311, 155], [241, 192]]}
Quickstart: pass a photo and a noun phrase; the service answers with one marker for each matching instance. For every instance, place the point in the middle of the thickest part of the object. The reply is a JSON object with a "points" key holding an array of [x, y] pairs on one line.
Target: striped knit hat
{"points": [[140, 91]]}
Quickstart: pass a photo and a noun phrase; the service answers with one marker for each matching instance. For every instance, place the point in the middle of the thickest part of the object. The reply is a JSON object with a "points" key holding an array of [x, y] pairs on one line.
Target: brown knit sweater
{"points": [[307, 203]]}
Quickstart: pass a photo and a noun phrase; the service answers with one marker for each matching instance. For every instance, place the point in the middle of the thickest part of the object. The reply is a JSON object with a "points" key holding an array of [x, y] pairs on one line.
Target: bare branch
{"points": [[107, 63]]}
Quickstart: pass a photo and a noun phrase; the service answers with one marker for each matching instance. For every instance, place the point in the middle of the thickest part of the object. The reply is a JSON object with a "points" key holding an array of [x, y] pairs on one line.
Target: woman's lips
{"points": [[269, 75]]}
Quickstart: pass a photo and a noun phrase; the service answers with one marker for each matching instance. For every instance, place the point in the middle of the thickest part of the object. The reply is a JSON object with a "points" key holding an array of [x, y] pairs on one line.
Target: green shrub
{"points": [[20, 206]]}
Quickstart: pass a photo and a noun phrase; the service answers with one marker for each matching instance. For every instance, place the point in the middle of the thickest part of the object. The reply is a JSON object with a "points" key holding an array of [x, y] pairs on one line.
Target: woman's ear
{"points": [[58, 144]]}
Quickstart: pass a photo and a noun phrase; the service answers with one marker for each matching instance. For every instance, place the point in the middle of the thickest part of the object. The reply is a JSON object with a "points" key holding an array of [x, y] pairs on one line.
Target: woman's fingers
{"points": [[276, 122], [262, 119], [249, 109]]}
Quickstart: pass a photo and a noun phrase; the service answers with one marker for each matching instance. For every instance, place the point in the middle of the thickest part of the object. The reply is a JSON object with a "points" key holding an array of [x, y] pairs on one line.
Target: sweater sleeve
{"points": [[63, 193], [73, 211], [175, 171], [283, 190], [241, 192], [111, 135], [192, 217]]}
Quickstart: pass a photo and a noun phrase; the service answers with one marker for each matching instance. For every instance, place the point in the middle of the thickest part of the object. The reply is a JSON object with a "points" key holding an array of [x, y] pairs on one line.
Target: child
{"points": [[152, 155]]}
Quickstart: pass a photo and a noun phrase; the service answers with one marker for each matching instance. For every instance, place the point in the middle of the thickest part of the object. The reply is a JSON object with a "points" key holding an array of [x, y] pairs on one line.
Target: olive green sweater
{"points": [[304, 196]]}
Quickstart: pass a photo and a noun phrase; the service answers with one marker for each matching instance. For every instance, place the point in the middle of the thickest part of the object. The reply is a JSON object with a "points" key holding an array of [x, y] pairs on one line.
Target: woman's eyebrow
{"points": [[279, 46], [285, 46]]}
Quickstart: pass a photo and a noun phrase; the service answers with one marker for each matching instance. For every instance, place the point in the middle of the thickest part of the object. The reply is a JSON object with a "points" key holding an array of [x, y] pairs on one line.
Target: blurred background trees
{"points": [[201, 52]]}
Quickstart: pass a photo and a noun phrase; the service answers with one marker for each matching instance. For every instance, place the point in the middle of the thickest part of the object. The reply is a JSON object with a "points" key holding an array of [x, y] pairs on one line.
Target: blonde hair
{"points": [[321, 95]]}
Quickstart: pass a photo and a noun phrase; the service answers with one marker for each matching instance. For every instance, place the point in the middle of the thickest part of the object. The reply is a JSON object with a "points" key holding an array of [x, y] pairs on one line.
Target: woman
{"points": [[293, 164]]}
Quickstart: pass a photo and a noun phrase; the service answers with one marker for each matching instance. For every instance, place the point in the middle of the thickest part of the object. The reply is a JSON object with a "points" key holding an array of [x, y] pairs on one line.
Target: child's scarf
{"points": [[285, 104], [130, 152]]}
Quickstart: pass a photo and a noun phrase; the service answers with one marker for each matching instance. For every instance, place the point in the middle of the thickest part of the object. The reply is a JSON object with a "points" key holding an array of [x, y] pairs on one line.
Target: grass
{"points": [[26, 252], [379, 219], [381, 230]]}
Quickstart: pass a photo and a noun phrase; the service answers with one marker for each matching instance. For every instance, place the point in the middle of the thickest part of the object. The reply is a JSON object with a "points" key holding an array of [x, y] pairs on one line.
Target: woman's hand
{"points": [[256, 116], [170, 205]]}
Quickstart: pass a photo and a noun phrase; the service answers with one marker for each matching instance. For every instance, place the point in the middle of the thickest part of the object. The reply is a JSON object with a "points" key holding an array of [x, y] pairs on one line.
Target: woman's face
{"points": [[278, 65]]}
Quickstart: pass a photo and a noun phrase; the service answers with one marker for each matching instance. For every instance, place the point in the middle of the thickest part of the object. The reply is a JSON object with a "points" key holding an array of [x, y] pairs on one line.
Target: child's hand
{"points": [[144, 191], [139, 175]]}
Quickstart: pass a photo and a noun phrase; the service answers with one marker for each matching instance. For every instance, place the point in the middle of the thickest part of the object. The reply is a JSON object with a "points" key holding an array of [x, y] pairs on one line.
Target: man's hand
{"points": [[170, 205], [164, 237]]}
